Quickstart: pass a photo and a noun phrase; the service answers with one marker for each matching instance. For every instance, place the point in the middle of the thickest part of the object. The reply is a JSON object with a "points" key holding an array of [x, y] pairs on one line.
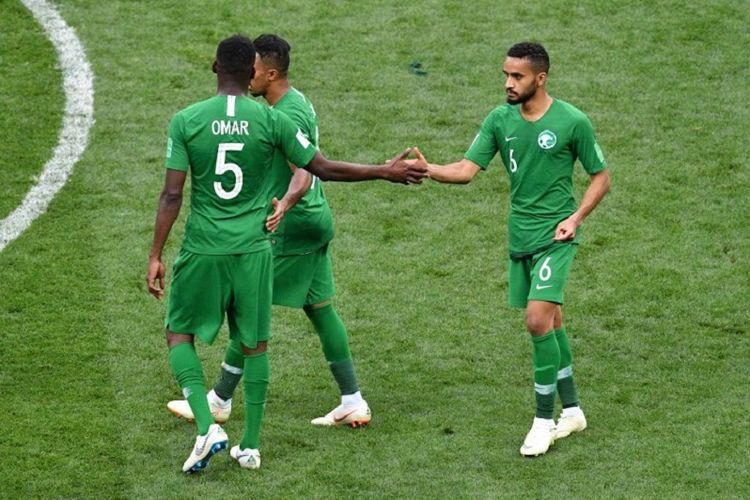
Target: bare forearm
{"points": [[169, 209], [594, 194], [329, 170], [397, 169], [446, 173], [298, 186], [460, 172]]}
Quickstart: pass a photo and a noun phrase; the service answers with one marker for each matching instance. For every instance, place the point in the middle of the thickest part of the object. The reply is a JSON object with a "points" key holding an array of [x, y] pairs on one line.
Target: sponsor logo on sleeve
{"points": [[302, 139]]}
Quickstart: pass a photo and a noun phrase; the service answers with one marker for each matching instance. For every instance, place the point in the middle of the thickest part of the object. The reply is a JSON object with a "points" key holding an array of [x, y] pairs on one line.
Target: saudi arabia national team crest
{"points": [[547, 139]]}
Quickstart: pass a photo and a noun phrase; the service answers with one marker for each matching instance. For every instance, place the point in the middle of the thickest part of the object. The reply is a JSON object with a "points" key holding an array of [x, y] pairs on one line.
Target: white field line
{"points": [[78, 85]]}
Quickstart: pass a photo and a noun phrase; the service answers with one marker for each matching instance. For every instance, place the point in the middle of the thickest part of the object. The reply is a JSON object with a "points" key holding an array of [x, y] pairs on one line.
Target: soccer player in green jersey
{"points": [[228, 144], [539, 139], [303, 275]]}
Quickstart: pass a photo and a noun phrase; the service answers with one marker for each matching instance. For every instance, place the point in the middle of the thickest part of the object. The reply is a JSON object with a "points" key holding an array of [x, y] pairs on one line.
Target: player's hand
{"points": [[402, 171], [420, 162], [279, 209], [419, 167], [155, 277], [566, 230]]}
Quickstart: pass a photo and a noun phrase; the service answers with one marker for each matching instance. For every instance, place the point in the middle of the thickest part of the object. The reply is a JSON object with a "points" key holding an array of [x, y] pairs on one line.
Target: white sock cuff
{"points": [[351, 399], [571, 411], [214, 398], [231, 369]]}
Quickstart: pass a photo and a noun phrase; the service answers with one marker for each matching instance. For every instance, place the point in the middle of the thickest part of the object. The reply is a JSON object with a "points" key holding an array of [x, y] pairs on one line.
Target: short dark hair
{"points": [[274, 51], [534, 52], [236, 56]]}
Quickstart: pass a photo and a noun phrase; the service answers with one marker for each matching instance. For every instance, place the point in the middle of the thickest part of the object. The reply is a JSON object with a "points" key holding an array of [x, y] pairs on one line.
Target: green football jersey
{"points": [[539, 158], [308, 226], [228, 143]]}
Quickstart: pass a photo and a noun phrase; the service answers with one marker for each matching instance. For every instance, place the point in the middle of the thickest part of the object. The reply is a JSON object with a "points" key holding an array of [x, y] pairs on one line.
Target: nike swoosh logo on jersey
{"points": [[508, 139], [542, 287]]}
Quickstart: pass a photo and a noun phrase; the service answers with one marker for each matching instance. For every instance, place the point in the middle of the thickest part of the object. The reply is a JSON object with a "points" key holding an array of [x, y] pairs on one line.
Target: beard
{"points": [[256, 91], [523, 97]]}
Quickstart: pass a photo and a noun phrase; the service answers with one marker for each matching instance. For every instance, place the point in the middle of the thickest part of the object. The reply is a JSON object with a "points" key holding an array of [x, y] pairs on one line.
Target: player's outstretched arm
{"points": [[461, 172], [395, 170], [566, 230], [170, 202]]}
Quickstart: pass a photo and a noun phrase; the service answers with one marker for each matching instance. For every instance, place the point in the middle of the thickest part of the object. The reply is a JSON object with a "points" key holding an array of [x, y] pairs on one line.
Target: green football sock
{"points": [[188, 371], [546, 358], [566, 386], [335, 344], [257, 372], [231, 370]]}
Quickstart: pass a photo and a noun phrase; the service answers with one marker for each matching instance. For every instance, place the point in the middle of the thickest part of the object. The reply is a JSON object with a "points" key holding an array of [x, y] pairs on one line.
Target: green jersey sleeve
{"points": [[177, 156], [292, 142], [484, 147], [586, 147]]}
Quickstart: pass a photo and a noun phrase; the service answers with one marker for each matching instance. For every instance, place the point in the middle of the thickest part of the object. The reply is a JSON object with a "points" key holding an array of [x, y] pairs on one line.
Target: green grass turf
{"points": [[655, 307], [30, 96]]}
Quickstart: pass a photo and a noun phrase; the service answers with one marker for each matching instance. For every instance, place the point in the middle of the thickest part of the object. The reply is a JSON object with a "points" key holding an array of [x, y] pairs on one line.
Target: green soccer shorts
{"points": [[541, 276], [301, 280], [205, 288]]}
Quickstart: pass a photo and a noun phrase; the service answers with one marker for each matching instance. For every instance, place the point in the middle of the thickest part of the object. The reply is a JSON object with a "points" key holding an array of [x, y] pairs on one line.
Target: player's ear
{"points": [[213, 67], [541, 78], [273, 74]]}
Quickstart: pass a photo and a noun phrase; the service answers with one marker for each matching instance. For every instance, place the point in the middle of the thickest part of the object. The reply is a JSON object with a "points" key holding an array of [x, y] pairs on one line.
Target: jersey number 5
{"points": [[223, 166]]}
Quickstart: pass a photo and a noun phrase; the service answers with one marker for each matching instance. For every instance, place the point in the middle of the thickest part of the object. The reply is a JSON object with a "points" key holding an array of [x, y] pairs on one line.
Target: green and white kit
{"points": [[229, 144], [539, 157]]}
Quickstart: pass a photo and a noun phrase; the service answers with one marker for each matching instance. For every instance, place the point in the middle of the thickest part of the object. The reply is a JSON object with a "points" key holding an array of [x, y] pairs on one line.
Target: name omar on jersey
{"points": [[229, 127]]}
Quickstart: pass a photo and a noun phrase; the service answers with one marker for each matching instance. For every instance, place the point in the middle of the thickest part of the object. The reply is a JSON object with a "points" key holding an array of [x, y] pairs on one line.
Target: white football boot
{"points": [[249, 458], [540, 438], [205, 447], [355, 416], [220, 408], [571, 420]]}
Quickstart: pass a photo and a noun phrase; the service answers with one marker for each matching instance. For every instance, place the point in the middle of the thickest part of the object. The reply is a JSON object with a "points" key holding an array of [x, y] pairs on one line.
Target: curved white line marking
{"points": [[78, 85]]}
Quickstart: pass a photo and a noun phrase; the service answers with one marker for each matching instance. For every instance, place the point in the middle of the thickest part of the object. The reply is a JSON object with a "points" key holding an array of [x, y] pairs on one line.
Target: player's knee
{"points": [[537, 324], [174, 339], [259, 348]]}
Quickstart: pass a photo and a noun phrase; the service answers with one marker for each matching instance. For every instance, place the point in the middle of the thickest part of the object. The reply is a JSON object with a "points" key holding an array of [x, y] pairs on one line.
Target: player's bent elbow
{"points": [[171, 198]]}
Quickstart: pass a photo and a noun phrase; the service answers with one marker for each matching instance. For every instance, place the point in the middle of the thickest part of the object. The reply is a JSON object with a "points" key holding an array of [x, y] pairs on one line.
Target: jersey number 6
{"points": [[513, 164]]}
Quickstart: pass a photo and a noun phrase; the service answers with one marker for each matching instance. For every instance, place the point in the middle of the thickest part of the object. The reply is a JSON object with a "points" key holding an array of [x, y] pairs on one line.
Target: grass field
{"points": [[655, 300]]}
